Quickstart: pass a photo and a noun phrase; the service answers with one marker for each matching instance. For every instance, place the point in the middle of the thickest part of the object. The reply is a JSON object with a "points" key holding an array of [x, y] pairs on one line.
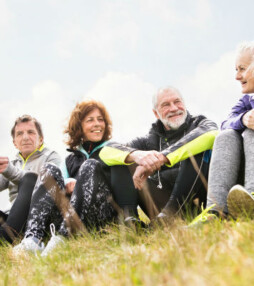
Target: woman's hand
{"points": [[248, 119], [69, 187]]}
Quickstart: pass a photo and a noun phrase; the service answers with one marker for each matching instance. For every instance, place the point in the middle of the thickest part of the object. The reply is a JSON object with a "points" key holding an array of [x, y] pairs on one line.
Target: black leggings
{"points": [[17, 217], [188, 186]]}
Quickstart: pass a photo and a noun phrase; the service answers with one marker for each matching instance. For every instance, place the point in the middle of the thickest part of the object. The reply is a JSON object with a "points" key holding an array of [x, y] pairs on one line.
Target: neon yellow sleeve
{"points": [[112, 156], [198, 145]]}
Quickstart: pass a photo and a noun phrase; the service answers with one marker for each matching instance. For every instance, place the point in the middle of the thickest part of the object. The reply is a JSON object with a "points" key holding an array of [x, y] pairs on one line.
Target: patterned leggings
{"points": [[90, 200]]}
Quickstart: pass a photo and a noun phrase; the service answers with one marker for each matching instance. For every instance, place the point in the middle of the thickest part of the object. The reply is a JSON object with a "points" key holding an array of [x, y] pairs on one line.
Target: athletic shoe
{"points": [[240, 202], [54, 241], [135, 223], [29, 244], [163, 219], [205, 217]]}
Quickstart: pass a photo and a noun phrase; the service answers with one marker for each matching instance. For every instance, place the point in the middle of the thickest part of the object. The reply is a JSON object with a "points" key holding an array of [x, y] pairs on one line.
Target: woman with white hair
{"points": [[231, 176]]}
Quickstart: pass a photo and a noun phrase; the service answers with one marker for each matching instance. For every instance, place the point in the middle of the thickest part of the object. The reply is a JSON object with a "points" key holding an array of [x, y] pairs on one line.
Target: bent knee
{"points": [[228, 136], [28, 177], [50, 169], [90, 163], [248, 133]]}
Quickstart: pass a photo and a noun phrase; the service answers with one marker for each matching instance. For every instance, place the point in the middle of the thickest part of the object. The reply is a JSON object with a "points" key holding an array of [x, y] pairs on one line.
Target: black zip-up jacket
{"points": [[89, 150], [195, 136]]}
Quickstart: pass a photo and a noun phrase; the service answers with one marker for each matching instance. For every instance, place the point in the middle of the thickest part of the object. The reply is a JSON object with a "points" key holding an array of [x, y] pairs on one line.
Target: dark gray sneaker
{"points": [[240, 202], [135, 223]]}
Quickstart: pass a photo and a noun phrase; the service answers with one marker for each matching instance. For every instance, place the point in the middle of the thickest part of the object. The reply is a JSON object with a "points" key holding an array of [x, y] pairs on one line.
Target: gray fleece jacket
{"points": [[16, 169]]}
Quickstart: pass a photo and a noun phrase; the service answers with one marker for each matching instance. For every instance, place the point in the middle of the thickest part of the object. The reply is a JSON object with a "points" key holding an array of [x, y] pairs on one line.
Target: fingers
{"points": [[248, 119], [151, 160], [140, 177], [69, 187], [4, 161]]}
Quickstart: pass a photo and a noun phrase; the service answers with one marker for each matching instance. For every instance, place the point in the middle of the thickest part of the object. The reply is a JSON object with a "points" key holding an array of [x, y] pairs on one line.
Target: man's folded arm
{"points": [[197, 141]]}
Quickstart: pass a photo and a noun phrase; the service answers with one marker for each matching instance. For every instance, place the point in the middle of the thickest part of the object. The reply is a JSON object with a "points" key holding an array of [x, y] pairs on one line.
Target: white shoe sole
{"points": [[240, 203]]}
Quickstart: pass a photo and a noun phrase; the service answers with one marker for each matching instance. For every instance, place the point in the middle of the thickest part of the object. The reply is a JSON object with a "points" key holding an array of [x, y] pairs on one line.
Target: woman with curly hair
{"points": [[88, 130]]}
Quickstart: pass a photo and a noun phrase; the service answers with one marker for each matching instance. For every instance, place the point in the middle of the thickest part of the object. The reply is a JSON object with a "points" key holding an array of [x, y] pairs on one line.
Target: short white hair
{"points": [[160, 91], [246, 47]]}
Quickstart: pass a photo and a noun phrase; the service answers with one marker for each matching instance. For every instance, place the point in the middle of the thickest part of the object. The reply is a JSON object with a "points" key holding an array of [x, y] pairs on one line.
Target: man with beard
{"points": [[167, 169]]}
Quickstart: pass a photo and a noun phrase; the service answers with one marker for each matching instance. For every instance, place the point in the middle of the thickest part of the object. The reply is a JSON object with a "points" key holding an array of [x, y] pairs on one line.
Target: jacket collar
{"points": [[30, 155]]}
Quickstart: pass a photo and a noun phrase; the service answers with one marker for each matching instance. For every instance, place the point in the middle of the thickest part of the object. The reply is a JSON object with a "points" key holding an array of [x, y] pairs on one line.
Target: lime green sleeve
{"points": [[198, 145], [113, 156]]}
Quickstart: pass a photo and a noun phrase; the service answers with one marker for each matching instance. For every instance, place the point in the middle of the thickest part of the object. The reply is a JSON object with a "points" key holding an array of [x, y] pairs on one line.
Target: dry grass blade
{"points": [[72, 220]]}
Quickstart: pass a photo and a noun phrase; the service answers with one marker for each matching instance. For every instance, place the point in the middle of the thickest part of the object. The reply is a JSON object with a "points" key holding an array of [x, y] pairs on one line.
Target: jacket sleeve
{"points": [[13, 173], [197, 141], [4, 183], [234, 120], [116, 153]]}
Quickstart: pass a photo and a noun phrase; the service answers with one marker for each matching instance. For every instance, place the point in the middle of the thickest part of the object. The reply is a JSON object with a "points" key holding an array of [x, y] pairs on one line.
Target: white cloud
{"points": [[5, 16], [203, 13], [117, 29], [212, 90], [128, 99], [111, 32], [68, 39], [197, 14], [161, 9]]}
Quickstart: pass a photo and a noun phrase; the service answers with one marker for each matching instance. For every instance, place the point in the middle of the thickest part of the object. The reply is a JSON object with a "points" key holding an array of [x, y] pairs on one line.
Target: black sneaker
{"points": [[135, 223]]}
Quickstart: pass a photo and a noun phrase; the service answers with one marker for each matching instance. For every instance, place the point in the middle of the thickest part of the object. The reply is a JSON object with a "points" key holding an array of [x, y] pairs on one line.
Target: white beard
{"points": [[174, 124]]}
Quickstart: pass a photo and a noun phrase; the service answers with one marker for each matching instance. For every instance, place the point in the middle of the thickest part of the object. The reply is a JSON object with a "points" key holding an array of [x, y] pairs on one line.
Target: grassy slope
{"points": [[220, 253]]}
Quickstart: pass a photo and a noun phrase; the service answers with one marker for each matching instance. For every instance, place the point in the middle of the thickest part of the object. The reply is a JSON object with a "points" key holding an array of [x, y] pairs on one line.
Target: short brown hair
{"points": [[74, 128], [27, 118]]}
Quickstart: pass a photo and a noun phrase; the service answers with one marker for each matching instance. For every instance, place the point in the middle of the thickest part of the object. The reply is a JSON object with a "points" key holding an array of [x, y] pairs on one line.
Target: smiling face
{"points": [[170, 109], [26, 138], [93, 126], [244, 72]]}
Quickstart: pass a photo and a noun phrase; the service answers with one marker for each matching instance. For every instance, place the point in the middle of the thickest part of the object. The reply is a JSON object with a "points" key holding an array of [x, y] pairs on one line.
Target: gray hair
{"points": [[247, 47], [160, 91], [27, 118]]}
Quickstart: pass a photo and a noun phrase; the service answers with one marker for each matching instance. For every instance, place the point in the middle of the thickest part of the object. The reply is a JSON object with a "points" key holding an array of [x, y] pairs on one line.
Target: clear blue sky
{"points": [[54, 53]]}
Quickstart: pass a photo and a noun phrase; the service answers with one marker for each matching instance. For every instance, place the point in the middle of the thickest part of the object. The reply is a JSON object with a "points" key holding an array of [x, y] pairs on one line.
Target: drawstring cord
{"points": [[159, 186]]}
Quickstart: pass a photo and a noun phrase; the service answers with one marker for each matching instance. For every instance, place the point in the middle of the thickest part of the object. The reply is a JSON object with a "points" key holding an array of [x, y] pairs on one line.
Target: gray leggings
{"points": [[232, 163]]}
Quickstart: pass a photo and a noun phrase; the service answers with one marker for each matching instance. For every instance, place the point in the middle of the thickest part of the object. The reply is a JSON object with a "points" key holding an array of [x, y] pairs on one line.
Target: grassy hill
{"points": [[219, 253]]}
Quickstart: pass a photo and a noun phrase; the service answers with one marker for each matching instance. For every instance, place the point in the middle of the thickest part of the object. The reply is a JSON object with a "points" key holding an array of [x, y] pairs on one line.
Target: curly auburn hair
{"points": [[81, 110]]}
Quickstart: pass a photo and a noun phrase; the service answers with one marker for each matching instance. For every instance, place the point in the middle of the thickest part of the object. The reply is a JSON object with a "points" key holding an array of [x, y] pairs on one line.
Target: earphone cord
{"points": [[159, 186]]}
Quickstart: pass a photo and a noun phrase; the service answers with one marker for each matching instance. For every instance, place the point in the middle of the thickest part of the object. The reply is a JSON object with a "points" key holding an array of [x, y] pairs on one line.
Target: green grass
{"points": [[219, 253]]}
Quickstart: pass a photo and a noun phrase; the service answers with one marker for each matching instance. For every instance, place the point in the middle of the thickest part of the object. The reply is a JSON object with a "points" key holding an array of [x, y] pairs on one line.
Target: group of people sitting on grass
{"points": [[165, 173]]}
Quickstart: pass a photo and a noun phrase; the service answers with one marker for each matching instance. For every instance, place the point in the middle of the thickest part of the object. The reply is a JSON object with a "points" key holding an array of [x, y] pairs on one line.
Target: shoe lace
{"points": [[52, 229], [204, 215]]}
